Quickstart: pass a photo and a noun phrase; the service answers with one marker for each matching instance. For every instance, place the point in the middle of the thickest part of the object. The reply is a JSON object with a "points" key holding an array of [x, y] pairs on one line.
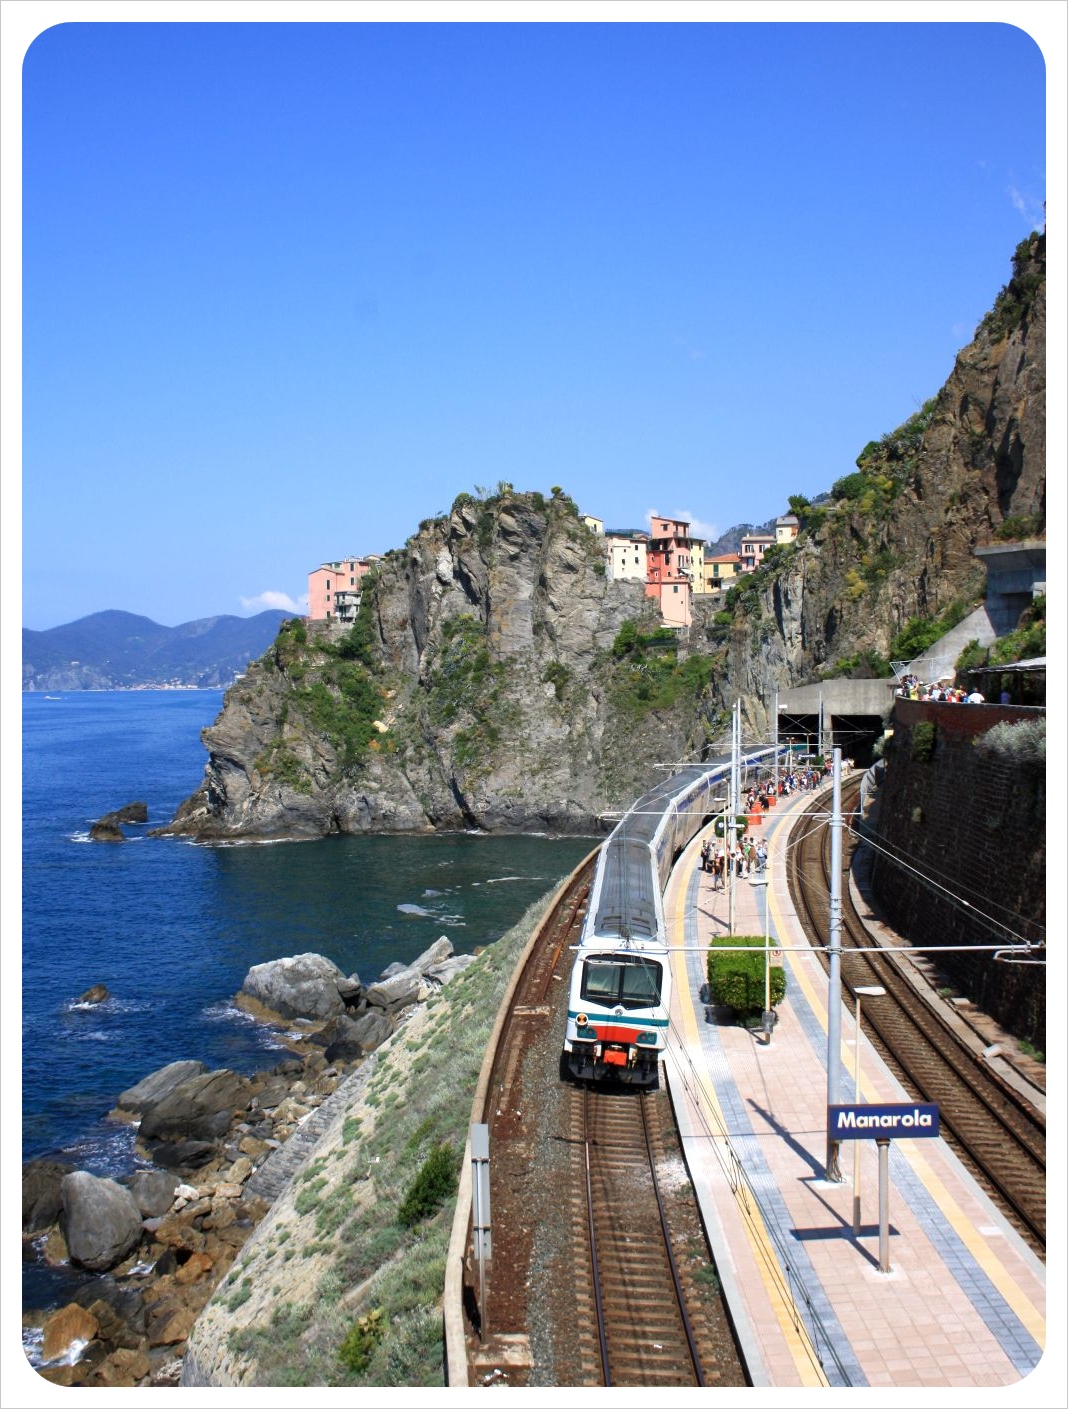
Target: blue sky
{"points": [[290, 288]]}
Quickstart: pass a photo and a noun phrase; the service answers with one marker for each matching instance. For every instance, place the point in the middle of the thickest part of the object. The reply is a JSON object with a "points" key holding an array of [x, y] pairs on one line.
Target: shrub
{"points": [[736, 980], [1017, 743], [923, 741], [356, 1350], [972, 657], [436, 1181], [557, 674]]}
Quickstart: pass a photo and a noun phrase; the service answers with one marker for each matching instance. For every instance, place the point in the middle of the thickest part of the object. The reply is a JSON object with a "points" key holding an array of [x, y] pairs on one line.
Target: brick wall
{"points": [[971, 826]]}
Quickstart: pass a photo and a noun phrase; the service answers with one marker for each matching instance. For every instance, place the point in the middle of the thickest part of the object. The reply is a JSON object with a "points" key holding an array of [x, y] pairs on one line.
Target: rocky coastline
{"points": [[215, 1148]]}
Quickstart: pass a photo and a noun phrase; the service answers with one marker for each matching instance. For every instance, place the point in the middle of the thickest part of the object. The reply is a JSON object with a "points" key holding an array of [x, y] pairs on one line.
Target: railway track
{"points": [[644, 1334], [998, 1134], [539, 1322]]}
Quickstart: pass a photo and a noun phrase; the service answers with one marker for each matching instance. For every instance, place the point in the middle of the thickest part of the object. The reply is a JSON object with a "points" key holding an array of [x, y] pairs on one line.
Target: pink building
{"points": [[669, 568], [334, 589]]}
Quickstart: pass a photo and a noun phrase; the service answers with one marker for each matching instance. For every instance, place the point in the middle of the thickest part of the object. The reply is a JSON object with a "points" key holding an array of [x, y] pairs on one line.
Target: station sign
{"points": [[883, 1122]]}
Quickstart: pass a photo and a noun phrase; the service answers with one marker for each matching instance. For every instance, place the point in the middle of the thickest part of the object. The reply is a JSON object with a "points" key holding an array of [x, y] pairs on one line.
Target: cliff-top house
{"points": [[334, 589]]}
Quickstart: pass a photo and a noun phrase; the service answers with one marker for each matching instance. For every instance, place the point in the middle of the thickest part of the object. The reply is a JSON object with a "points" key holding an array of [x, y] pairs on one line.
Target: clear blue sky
{"points": [[290, 288]]}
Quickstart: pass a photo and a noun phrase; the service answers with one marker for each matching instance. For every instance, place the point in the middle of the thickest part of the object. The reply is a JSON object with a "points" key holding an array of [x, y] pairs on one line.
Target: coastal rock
{"points": [[442, 973], [398, 991], [438, 952], [42, 1199], [101, 1220], [67, 1332], [184, 1154], [359, 1036], [199, 1108], [350, 990], [153, 1088], [109, 827], [153, 1190], [119, 1310], [303, 986], [122, 1369], [97, 994]]}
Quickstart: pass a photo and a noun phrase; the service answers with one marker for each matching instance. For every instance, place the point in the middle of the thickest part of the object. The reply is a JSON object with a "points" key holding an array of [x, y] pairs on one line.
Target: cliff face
{"points": [[478, 689], [897, 541], [497, 679]]}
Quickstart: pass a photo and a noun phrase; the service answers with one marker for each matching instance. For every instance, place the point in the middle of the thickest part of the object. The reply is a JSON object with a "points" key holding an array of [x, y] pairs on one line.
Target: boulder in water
{"points": [[101, 1220], [302, 986], [97, 994], [150, 1090], [199, 1108], [42, 1200], [109, 827]]}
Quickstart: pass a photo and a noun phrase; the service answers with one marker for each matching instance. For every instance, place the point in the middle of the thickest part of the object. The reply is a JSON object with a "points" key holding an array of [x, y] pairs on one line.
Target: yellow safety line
{"points": [[1014, 1295], [789, 1318]]}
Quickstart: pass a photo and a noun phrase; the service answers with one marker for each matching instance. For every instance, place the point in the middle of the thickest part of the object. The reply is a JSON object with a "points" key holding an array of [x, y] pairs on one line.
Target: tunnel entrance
{"points": [[855, 734]]}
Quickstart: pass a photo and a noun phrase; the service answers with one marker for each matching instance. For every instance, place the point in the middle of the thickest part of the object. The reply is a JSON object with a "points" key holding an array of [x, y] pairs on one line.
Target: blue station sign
{"points": [[873, 1122]]}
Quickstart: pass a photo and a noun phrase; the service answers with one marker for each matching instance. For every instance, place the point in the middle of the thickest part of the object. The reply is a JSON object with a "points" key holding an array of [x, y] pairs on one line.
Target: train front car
{"points": [[620, 994], [621, 983], [617, 1016]]}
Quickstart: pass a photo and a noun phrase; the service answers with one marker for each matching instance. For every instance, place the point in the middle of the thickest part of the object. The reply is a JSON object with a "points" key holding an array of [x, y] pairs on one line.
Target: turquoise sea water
{"points": [[172, 927]]}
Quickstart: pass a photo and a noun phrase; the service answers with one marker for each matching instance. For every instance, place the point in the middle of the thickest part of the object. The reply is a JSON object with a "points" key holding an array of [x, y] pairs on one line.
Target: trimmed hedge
{"points": [[736, 980]]}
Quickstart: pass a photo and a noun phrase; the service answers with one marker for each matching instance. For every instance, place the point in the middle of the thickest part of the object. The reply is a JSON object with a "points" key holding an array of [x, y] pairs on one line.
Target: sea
{"points": [[171, 927]]}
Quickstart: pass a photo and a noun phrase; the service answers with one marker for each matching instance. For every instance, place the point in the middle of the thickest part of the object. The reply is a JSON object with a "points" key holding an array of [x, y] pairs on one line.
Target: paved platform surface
{"points": [[963, 1305]]}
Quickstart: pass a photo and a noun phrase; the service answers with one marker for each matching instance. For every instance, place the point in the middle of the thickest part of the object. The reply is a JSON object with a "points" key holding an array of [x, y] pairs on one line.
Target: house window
{"points": [[328, 596]]}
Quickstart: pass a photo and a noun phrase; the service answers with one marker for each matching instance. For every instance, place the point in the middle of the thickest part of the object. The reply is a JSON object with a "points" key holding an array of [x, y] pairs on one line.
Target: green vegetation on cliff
{"points": [[334, 694], [1017, 298], [647, 674]]}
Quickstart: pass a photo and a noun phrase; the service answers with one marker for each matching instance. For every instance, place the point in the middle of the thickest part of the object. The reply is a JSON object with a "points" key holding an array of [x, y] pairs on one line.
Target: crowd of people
{"points": [[910, 687], [741, 859]]}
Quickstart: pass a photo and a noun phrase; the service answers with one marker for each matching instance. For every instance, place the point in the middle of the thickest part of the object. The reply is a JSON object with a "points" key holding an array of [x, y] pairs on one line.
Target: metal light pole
{"points": [[834, 986], [769, 1017], [871, 990], [775, 755]]}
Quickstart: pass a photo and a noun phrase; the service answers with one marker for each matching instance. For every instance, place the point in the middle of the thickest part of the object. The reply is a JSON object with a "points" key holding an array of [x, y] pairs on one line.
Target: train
{"points": [[620, 989]]}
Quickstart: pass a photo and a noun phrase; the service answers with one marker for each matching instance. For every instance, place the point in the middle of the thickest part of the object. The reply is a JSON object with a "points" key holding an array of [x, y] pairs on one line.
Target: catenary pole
{"points": [[834, 986], [775, 743]]}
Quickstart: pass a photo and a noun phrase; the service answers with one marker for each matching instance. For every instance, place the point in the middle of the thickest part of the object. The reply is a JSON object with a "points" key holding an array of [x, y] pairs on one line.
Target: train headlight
{"points": [[647, 1039], [581, 1020]]}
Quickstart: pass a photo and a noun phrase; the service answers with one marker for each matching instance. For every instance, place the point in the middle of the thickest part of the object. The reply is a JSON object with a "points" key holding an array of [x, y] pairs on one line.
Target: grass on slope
{"points": [[373, 1314]]}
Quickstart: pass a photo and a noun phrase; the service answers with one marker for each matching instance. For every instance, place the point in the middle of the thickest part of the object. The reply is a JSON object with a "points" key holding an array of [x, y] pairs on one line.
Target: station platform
{"points": [[963, 1304]]}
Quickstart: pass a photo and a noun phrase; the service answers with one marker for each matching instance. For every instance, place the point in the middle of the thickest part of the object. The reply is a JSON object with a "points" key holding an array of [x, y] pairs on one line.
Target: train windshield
{"points": [[615, 980]]}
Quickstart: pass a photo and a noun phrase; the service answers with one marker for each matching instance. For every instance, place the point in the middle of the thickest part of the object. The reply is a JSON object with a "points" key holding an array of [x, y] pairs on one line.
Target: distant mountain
{"points": [[118, 650]]}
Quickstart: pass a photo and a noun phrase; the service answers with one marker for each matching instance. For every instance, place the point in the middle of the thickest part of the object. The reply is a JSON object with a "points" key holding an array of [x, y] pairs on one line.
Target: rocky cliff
{"points": [[497, 679], [481, 687], [895, 544]]}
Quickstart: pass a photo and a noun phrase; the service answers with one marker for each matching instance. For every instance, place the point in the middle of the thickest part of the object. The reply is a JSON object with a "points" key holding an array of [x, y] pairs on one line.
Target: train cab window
{"points": [[626, 982]]}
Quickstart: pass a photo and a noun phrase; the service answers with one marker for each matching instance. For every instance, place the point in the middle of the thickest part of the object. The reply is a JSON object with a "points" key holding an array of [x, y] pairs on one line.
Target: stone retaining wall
{"points": [[968, 826]]}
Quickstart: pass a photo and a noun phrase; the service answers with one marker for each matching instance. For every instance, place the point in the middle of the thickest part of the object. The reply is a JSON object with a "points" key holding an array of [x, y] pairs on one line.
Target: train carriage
{"points": [[620, 991]]}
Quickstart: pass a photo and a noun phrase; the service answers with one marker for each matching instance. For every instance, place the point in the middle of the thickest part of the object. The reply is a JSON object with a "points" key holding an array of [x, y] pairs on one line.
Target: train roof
{"points": [[627, 902], [643, 818]]}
